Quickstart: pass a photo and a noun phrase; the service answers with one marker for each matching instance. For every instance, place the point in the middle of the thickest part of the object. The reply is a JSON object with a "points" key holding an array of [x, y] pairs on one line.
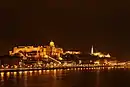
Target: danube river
{"points": [[80, 77]]}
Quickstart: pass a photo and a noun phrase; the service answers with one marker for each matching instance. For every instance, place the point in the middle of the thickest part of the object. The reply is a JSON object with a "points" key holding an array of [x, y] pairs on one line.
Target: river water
{"points": [[82, 77]]}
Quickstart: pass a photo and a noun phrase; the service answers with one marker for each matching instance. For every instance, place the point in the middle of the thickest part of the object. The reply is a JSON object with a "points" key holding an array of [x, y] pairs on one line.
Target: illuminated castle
{"points": [[37, 52], [99, 54]]}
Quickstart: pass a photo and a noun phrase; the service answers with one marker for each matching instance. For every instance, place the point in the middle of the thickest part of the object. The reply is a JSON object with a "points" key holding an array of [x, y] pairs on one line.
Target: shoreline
{"points": [[49, 68]]}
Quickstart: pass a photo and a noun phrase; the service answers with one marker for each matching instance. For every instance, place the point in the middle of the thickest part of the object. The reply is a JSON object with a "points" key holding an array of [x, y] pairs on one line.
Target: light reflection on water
{"points": [[76, 77]]}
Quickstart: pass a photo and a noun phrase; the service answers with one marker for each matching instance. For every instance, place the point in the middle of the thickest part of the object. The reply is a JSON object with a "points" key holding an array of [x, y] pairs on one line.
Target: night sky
{"points": [[76, 24]]}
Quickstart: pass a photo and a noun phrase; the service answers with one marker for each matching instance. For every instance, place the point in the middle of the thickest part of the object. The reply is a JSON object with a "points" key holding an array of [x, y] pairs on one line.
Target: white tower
{"points": [[92, 50]]}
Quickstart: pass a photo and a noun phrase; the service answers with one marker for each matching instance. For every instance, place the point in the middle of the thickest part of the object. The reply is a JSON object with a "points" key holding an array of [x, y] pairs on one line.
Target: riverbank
{"points": [[52, 68]]}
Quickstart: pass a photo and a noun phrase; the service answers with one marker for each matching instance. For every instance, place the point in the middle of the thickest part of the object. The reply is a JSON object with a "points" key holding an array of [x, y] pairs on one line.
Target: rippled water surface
{"points": [[83, 77]]}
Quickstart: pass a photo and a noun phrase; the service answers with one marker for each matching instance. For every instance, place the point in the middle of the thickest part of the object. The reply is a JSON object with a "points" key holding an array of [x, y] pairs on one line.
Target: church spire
{"points": [[92, 50]]}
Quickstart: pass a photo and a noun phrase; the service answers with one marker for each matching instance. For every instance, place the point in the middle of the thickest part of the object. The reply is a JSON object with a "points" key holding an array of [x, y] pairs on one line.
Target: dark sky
{"points": [[70, 23]]}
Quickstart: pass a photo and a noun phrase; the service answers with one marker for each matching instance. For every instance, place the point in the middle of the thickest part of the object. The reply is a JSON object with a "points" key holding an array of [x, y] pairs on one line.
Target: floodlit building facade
{"points": [[99, 54], [39, 51]]}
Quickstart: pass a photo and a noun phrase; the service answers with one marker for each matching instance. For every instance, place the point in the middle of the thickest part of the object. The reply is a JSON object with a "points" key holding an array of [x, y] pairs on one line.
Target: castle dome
{"points": [[52, 44]]}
